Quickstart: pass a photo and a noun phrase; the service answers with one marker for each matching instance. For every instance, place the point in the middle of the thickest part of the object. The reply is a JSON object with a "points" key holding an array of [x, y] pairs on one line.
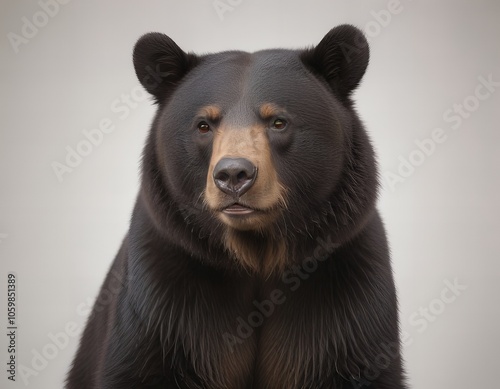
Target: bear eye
{"points": [[203, 127], [279, 124]]}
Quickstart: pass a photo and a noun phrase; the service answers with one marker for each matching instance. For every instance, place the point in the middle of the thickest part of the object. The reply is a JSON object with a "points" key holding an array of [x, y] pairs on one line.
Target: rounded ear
{"points": [[160, 64], [340, 58]]}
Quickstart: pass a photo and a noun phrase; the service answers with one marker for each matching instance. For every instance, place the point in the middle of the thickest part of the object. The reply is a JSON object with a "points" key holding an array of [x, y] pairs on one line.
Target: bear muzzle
{"points": [[242, 187]]}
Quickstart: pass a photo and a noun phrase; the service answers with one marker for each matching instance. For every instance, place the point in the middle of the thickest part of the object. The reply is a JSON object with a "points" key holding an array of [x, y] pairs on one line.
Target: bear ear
{"points": [[340, 58], [160, 64]]}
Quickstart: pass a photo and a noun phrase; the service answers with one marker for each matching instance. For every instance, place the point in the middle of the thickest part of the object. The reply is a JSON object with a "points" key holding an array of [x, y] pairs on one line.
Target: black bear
{"points": [[255, 257]]}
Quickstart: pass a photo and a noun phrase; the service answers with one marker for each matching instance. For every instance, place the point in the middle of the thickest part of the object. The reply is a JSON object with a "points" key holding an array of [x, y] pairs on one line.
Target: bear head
{"points": [[254, 157]]}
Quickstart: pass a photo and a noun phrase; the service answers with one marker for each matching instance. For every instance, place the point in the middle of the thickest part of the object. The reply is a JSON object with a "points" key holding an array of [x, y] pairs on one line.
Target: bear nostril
{"points": [[222, 176], [234, 176], [241, 176]]}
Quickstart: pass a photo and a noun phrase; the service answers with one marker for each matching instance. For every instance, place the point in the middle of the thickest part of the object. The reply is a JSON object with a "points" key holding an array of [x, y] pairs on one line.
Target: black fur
{"points": [[175, 296]]}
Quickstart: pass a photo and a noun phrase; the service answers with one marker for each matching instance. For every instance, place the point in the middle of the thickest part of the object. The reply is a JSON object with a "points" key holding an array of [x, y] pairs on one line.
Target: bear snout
{"points": [[241, 173]]}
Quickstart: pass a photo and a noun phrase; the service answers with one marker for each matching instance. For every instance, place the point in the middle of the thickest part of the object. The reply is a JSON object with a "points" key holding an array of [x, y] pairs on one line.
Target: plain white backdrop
{"points": [[67, 69]]}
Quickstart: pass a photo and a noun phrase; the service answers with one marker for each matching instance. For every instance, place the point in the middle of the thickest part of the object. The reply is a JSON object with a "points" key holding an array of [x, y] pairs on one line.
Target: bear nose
{"points": [[234, 176]]}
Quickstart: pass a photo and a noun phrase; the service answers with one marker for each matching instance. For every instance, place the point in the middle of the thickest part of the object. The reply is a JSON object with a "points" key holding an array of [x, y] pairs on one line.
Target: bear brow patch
{"points": [[268, 110], [211, 112]]}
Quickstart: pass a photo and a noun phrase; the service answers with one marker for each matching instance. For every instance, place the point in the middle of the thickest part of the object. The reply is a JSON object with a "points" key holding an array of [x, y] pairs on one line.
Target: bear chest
{"points": [[271, 336]]}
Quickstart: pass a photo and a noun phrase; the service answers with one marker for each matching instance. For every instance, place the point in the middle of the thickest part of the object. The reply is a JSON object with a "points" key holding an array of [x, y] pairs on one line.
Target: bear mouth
{"points": [[238, 209]]}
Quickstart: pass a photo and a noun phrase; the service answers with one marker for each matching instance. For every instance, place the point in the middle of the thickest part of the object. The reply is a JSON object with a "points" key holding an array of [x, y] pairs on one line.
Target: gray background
{"points": [[442, 218]]}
